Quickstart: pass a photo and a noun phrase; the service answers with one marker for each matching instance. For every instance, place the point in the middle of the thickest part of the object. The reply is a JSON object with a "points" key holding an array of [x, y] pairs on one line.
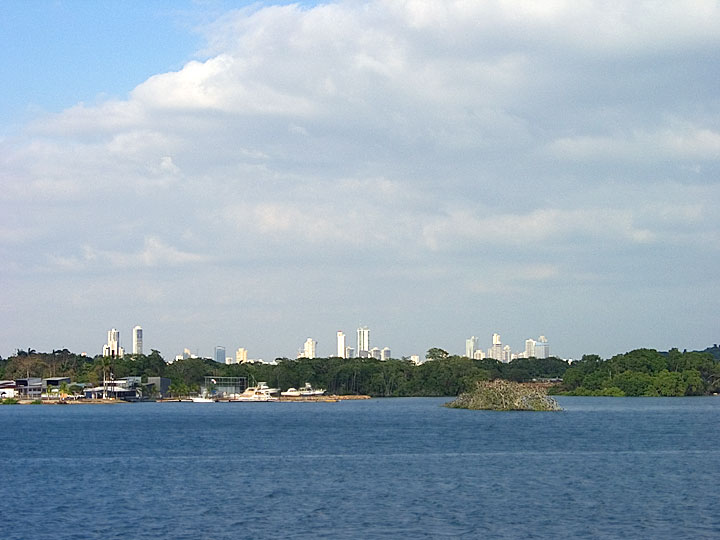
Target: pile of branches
{"points": [[501, 395]]}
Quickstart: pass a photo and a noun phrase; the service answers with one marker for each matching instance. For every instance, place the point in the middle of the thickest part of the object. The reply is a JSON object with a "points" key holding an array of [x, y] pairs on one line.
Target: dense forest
{"points": [[643, 372]]}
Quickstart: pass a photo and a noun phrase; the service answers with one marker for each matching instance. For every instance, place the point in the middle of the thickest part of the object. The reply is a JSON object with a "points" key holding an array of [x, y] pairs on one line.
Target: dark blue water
{"points": [[603, 468]]}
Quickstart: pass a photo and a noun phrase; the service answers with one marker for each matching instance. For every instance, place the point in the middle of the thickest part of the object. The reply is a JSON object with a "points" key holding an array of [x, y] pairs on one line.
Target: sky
{"points": [[252, 174]]}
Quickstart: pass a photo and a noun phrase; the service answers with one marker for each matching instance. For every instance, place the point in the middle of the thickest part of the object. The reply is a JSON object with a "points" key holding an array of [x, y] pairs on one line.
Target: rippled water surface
{"points": [[602, 468]]}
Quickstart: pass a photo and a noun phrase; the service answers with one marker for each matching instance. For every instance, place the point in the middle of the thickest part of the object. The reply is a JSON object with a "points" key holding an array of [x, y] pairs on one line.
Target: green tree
{"points": [[669, 384], [633, 383], [694, 385], [436, 354]]}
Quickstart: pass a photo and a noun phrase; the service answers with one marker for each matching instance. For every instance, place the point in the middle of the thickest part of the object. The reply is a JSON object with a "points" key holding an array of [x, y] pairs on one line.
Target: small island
{"points": [[501, 395]]}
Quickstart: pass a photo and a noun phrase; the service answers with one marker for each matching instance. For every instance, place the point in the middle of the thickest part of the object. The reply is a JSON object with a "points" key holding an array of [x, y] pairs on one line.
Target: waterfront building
{"points": [[137, 339], [241, 356], [220, 354], [161, 385], [471, 347], [363, 342], [341, 347], [112, 348], [385, 353], [7, 389]]}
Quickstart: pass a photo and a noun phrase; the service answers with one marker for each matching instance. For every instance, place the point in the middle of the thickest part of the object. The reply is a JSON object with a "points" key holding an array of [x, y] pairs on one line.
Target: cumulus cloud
{"points": [[555, 140]]}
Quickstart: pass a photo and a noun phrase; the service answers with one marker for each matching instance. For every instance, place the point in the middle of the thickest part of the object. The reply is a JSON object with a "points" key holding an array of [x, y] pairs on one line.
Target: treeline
{"points": [[443, 375], [644, 372]]}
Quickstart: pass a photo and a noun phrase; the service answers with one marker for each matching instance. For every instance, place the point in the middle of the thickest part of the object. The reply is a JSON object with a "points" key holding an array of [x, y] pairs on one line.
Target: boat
{"points": [[305, 391], [260, 392], [308, 390], [200, 399]]}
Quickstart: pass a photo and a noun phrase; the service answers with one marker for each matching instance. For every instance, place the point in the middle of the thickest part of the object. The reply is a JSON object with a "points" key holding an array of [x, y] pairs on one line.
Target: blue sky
{"points": [[252, 176], [56, 53]]}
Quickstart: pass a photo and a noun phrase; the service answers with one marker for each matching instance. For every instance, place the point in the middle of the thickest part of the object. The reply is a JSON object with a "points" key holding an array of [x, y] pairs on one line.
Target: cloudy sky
{"points": [[227, 173]]}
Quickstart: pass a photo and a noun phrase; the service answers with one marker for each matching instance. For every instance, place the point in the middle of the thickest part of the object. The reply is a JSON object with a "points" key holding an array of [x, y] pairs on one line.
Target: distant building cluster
{"points": [[343, 350], [113, 349], [533, 349], [539, 348]]}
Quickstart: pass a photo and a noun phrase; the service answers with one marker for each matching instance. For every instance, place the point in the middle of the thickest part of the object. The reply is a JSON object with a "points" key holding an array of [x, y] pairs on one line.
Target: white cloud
{"points": [[672, 142], [154, 254], [397, 146]]}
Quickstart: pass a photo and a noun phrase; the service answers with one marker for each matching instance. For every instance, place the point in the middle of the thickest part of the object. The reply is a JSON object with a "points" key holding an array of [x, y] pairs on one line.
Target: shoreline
{"points": [[301, 399]]}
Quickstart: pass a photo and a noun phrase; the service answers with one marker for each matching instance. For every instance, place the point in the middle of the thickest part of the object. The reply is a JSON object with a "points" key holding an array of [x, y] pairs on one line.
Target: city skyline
{"points": [[532, 348], [254, 173]]}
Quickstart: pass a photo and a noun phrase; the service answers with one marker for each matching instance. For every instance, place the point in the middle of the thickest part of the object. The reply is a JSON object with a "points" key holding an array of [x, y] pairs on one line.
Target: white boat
{"points": [[308, 390], [305, 391], [200, 399], [261, 392]]}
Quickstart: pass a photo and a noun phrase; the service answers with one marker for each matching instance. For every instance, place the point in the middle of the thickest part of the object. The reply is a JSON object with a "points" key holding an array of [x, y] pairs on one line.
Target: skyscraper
{"points": [[363, 342], [137, 334], [341, 344], [113, 348], [220, 354], [309, 348], [542, 348], [496, 352], [241, 355], [529, 348], [471, 347]]}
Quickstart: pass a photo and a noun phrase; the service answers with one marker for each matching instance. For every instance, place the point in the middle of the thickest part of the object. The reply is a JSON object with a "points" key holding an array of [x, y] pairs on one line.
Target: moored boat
{"points": [[260, 392], [308, 390]]}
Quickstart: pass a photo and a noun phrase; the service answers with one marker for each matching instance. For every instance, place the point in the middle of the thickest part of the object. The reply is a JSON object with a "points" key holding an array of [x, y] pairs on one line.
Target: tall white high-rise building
{"points": [[542, 348], [363, 342], [113, 348], [341, 347], [496, 352], [309, 348], [471, 347], [137, 334], [529, 348], [507, 354]]}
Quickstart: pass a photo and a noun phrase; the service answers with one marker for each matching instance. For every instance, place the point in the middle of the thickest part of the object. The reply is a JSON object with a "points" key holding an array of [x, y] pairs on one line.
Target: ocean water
{"points": [[383, 468]]}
